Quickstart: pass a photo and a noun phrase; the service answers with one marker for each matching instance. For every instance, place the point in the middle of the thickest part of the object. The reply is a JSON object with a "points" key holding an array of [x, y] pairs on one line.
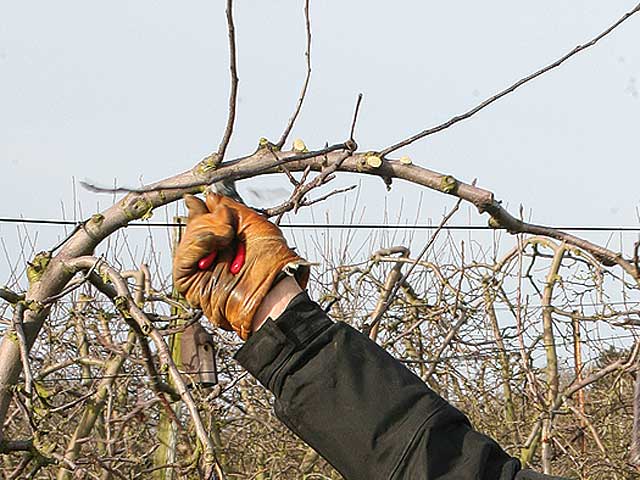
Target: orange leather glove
{"points": [[228, 260]]}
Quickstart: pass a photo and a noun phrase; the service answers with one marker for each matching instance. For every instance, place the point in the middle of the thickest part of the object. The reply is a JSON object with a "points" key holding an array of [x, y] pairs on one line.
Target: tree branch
{"points": [[509, 89], [352, 132], [127, 306], [305, 85], [233, 94], [380, 312], [393, 277], [10, 296]]}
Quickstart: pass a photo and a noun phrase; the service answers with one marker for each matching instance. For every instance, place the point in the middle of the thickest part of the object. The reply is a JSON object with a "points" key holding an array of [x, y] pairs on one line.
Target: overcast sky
{"points": [[128, 90]]}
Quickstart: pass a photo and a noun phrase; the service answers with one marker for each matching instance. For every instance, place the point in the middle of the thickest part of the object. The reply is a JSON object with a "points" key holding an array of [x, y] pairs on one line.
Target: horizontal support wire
{"points": [[490, 352], [369, 226]]}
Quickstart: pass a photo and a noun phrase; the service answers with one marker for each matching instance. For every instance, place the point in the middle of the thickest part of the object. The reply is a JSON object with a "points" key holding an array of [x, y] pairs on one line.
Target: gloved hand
{"points": [[228, 260]]}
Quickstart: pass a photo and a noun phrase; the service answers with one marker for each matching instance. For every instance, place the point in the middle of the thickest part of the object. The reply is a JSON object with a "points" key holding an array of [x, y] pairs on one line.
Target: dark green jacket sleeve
{"points": [[361, 409]]}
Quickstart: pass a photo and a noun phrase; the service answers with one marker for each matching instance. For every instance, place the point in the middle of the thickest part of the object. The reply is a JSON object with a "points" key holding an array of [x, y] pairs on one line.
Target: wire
{"points": [[629, 303], [357, 226], [117, 375], [487, 353]]}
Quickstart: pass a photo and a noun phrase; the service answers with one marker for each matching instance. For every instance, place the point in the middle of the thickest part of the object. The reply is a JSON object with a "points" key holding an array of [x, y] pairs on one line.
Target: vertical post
{"points": [[167, 429]]}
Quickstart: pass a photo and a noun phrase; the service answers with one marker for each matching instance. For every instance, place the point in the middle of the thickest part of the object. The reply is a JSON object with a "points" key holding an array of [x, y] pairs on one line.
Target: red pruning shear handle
{"points": [[238, 262], [207, 261], [235, 267]]}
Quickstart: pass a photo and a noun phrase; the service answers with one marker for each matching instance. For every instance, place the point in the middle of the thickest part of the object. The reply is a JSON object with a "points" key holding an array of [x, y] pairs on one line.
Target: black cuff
{"points": [[264, 353]]}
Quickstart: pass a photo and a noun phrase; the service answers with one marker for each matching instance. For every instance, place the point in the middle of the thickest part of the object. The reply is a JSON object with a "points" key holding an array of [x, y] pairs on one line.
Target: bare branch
{"points": [[125, 303], [263, 162], [301, 189], [509, 89], [210, 175], [594, 433], [233, 94], [322, 198], [394, 275], [453, 331], [355, 118], [10, 296], [553, 379], [19, 471], [305, 85], [374, 320], [98, 400]]}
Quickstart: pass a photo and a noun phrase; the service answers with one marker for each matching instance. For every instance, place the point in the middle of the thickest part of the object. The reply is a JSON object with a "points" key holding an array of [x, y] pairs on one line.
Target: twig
{"points": [[10, 296], [18, 472], [355, 118], [511, 88], [230, 170], [233, 94], [142, 285], [26, 408], [181, 328], [453, 331], [387, 304], [70, 465], [66, 406], [291, 178], [305, 85], [301, 190], [322, 198], [578, 412]]}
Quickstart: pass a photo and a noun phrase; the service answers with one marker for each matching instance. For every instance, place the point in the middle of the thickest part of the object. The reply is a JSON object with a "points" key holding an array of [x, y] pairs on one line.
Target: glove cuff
{"points": [[295, 267]]}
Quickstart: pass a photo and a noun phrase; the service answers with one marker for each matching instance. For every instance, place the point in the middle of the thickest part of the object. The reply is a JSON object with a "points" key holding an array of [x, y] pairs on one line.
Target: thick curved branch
{"points": [[137, 205]]}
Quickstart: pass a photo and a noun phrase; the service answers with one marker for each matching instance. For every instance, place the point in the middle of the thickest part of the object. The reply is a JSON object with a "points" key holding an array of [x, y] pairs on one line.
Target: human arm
{"points": [[360, 408]]}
